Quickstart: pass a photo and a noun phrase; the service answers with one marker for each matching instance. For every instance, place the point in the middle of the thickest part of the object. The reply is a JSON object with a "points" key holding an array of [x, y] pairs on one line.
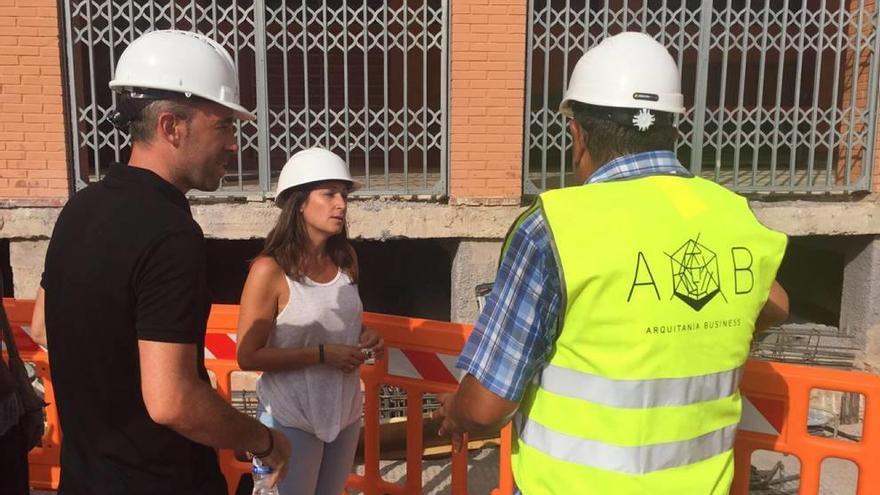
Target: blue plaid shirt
{"points": [[517, 329]]}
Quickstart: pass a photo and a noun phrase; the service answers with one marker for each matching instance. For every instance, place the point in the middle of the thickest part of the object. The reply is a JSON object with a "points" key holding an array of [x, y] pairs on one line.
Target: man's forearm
{"points": [[469, 419], [210, 420], [474, 409]]}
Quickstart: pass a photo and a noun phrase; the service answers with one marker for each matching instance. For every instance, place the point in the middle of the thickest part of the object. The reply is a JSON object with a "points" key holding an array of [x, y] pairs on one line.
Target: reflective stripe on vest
{"points": [[630, 460], [639, 393]]}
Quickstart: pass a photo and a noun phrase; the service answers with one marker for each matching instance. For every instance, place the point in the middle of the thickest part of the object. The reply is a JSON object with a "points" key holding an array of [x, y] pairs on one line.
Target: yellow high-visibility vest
{"points": [[662, 278]]}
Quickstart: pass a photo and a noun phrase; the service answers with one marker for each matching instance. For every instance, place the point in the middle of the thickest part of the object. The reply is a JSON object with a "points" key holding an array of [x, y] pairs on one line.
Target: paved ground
{"points": [[838, 476], [436, 474]]}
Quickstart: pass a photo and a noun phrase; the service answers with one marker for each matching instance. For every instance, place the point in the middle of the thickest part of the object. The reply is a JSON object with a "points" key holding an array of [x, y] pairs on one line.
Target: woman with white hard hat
{"points": [[300, 324]]}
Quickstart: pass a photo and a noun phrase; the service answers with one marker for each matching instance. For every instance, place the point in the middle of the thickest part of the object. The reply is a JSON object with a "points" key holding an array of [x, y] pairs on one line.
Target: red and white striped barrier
{"points": [[761, 415], [220, 346], [23, 340], [422, 365]]}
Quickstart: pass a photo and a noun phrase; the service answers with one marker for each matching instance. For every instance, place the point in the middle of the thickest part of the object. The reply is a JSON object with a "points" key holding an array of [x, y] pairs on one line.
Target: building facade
{"points": [[446, 112]]}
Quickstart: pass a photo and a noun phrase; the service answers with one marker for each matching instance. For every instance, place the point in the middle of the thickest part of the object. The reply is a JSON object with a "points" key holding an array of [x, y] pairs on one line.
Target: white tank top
{"points": [[319, 399]]}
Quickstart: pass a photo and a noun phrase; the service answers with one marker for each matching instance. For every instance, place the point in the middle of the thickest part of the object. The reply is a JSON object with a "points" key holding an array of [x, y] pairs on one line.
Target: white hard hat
{"points": [[628, 70], [182, 62], [312, 165]]}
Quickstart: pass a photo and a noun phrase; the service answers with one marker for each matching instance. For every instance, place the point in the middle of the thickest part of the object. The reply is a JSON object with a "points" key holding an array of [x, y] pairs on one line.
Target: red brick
{"points": [[13, 155], [43, 99], [50, 70], [51, 104], [36, 41], [47, 137], [50, 51], [39, 80], [20, 51], [14, 174], [58, 183], [469, 38], [35, 3], [47, 193], [26, 60], [22, 107], [44, 118], [20, 69], [37, 127], [46, 22], [26, 145], [55, 146], [21, 89], [12, 192], [48, 174], [26, 164], [17, 12]]}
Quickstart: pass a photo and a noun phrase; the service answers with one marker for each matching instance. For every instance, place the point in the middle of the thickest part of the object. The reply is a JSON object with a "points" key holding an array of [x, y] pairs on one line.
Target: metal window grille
{"points": [[364, 78], [781, 95]]}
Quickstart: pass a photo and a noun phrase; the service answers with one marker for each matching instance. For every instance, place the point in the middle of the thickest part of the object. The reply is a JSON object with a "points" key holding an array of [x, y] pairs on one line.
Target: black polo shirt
{"points": [[126, 262]]}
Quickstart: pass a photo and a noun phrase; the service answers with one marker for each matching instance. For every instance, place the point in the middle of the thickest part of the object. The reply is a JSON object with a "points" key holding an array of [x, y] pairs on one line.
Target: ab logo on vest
{"points": [[696, 278]]}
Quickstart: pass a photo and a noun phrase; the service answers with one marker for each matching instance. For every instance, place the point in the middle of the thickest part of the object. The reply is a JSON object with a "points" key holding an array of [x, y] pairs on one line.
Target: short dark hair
{"points": [[607, 140], [144, 114]]}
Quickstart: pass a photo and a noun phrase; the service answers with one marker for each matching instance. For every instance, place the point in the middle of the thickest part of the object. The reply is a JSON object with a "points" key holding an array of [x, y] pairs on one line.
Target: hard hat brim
{"points": [[353, 186]]}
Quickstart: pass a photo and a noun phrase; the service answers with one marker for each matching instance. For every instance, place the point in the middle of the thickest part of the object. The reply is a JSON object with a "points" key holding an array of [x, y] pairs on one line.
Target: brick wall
{"points": [[487, 50], [33, 165], [871, 7], [856, 71]]}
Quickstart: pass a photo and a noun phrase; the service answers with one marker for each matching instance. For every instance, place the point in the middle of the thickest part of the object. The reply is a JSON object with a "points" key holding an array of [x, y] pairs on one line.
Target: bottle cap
{"points": [[259, 467], [261, 470]]}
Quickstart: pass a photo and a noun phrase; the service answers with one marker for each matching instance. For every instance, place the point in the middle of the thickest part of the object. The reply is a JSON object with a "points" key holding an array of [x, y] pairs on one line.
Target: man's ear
{"points": [[578, 139], [169, 128], [577, 133]]}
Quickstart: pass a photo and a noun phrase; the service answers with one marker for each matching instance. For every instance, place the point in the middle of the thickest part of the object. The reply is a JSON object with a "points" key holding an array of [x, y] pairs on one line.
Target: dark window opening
{"points": [[400, 277], [6, 269]]}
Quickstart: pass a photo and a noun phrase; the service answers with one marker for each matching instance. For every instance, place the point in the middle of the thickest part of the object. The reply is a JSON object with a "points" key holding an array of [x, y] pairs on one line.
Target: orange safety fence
{"points": [[781, 394], [419, 359]]}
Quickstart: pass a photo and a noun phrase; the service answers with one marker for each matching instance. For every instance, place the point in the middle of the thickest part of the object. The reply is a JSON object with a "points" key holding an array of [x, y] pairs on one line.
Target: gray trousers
{"points": [[316, 467]]}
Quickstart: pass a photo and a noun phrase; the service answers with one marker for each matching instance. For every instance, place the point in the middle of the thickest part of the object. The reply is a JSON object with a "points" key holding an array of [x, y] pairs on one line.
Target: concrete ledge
{"points": [[383, 219], [27, 223], [801, 218], [370, 219]]}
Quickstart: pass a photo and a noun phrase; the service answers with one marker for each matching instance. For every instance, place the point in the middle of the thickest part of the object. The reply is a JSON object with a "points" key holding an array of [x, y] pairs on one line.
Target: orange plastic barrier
{"points": [[419, 337], [783, 392], [45, 464], [776, 405]]}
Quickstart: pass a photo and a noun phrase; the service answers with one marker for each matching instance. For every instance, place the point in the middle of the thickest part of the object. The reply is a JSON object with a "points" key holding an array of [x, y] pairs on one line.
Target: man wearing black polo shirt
{"points": [[124, 288]]}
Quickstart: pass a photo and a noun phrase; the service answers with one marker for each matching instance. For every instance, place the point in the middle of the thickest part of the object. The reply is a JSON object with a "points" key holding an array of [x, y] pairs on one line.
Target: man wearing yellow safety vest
{"points": [[624, 308]]}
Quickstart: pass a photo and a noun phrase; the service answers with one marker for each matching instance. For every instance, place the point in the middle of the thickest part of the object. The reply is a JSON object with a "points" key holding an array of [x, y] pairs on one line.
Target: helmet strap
{"points": [[642, 119], [133, 101]]}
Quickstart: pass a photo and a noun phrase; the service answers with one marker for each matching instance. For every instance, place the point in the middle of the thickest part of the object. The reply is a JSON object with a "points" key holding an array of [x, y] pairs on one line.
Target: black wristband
{"points": [[321, 353], [271, 446]]}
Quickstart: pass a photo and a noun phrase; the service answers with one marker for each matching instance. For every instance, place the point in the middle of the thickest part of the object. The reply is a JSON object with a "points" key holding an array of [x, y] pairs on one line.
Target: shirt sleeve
{"points": [[171, 295], [517, 328]]}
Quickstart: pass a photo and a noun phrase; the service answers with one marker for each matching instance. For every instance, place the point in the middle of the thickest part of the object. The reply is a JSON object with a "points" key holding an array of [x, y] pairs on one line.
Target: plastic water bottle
{"points": [[261, 475]]}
